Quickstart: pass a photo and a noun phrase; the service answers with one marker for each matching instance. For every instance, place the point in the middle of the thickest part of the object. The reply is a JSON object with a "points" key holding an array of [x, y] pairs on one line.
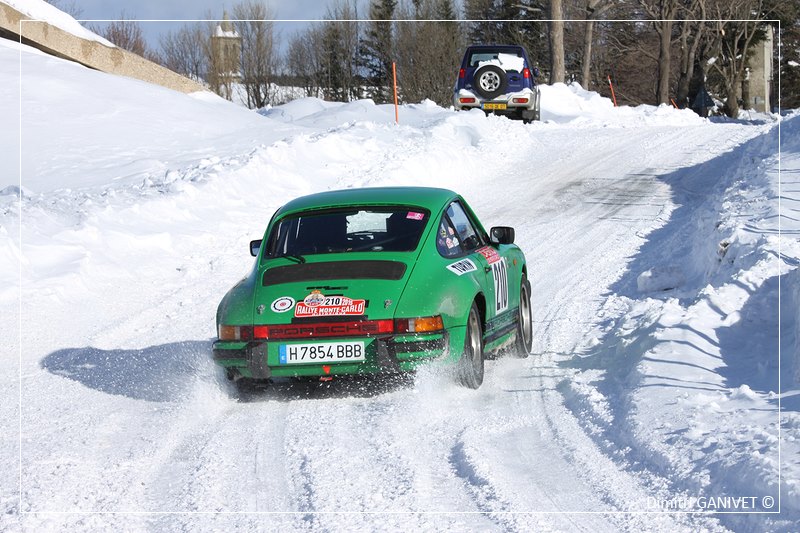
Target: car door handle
{"points": [[487, 269]]}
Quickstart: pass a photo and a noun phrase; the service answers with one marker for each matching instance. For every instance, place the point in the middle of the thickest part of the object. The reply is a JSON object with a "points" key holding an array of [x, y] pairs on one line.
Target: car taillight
{"points": [[428, 324], [235, 333], [462, 74], [467, 100], [526, 73], [520, 100]]}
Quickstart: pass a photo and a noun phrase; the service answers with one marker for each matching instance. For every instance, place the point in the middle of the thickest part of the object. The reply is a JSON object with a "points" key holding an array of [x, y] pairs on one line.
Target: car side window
{"points": [[469, 237], [447, 241]]}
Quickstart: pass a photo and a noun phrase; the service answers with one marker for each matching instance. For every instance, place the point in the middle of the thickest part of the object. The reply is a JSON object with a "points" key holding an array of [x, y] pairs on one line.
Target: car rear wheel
{"points": [[471, 364], [490, 81], [524, 343]]}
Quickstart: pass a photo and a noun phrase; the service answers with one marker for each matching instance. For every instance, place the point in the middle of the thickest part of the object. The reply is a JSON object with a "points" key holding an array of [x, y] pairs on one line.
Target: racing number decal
{"points": [[500, 275]]}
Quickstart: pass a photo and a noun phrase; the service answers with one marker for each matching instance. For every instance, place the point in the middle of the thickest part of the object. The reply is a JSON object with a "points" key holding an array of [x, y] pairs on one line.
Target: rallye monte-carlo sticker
{"points": [[317, 304], [490, 254]]}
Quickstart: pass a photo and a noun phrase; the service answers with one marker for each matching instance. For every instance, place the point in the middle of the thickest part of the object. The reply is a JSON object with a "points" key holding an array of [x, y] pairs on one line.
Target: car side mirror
{"points": [[255, 246], [502, 235]]}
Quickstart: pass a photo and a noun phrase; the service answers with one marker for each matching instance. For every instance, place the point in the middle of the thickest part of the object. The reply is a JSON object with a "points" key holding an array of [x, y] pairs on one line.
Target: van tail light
{"points": [[526, 73], [467, 100], [462, 74], [520, 100]]}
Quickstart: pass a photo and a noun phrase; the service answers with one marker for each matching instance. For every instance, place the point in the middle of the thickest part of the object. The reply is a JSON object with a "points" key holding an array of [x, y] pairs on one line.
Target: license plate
{"points": [[321, 352], [494, 106]]}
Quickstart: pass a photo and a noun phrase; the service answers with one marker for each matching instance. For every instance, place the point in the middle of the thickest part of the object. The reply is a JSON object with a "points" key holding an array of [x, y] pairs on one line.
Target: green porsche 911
{"points": [[372, 281]]}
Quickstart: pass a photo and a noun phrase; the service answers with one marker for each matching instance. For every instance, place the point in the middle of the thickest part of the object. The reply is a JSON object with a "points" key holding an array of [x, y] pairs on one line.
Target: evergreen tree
{"points": [[377, 50]]}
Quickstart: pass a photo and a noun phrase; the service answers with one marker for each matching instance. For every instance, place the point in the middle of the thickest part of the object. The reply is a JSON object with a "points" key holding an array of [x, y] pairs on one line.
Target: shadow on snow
{"points": [[158, 373]]}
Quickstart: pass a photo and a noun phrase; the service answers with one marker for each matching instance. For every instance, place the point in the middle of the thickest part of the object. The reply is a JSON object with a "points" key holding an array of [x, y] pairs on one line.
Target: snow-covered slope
{"points": [[655, 266]]}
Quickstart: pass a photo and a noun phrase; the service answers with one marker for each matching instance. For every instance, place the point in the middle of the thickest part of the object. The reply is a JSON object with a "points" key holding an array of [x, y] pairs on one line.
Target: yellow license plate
{"points": [[494, 106]]}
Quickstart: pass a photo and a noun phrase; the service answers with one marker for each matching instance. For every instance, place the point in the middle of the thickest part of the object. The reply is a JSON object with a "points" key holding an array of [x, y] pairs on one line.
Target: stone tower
{"points": [[226, 53]]}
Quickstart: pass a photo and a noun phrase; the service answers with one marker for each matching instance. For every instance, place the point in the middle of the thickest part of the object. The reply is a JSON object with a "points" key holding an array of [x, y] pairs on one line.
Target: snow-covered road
{"points": [[127, 425]]}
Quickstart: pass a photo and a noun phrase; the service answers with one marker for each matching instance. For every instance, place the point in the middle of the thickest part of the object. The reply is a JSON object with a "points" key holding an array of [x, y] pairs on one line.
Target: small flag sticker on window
{"points": [[415, 216]]}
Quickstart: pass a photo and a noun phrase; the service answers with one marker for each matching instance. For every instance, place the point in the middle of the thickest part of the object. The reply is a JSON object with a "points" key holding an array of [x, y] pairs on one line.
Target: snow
{"points": [[505, 62], [41, 10], [219, 32], [662, 294]]}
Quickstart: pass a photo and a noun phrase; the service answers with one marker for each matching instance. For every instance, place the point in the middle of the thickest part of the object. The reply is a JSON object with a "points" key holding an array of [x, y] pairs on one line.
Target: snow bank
{"points": [[791, 349], [575, 105], [75, 115], [693, 357]]}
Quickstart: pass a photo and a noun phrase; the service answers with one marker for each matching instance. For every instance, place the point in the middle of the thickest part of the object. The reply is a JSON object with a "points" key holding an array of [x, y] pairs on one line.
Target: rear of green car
{"points": [[309, 311], [366, 282]]}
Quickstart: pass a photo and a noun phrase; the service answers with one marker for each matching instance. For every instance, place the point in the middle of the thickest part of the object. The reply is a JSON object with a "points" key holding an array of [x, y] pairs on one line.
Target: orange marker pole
{"points": [[394, 75], [673, 103], [612, 91]]}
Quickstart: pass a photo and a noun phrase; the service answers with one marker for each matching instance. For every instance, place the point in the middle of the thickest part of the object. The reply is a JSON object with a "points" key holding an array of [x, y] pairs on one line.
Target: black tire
{"points": [[490, 81], [524, 342], [470, 367], [527, 116]]}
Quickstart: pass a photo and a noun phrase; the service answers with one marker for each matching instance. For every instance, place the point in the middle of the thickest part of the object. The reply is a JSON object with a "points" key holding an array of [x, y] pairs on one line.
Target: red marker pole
{"points": [[394, 75], [612, 91]]}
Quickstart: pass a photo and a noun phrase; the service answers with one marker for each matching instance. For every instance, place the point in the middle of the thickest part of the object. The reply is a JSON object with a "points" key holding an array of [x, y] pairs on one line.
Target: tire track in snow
{"points": [[481, 489]]}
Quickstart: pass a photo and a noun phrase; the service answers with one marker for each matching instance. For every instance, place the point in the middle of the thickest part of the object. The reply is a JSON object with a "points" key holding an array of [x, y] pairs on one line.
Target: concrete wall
{"points": [[93, 54], [760, 75]]}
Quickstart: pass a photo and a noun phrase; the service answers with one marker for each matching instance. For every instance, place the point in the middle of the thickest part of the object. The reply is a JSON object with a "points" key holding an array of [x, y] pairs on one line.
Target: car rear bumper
{"points": [[526, 99], [384, 355]]}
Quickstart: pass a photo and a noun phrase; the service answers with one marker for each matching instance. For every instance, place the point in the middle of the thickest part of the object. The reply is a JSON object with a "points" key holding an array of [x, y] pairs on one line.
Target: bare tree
{"points": [[662, 13], [259, 61], [304, 59], [557, 70], [126, 33], [738, 27], [185, 51], [692, 38], [595, 9]]}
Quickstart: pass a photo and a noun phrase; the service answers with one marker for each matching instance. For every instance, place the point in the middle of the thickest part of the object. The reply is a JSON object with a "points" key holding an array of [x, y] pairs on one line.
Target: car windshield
{"points": [[356, 229]]}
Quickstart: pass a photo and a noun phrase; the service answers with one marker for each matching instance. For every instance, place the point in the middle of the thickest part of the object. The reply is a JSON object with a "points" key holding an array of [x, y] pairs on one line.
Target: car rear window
{"points": [[500, 55], [357, 229]]}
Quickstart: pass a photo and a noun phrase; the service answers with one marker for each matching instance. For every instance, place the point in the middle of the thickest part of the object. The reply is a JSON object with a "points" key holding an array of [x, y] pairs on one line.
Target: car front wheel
{"points": [[471, 364]]}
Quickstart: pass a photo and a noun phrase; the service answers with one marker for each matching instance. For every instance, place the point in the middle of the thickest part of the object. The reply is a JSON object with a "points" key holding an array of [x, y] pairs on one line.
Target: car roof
{"points": [[426, 197]]}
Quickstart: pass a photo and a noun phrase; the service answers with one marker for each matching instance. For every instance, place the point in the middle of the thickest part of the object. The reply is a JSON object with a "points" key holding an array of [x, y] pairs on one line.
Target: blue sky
{"points": [[192, 9]]}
